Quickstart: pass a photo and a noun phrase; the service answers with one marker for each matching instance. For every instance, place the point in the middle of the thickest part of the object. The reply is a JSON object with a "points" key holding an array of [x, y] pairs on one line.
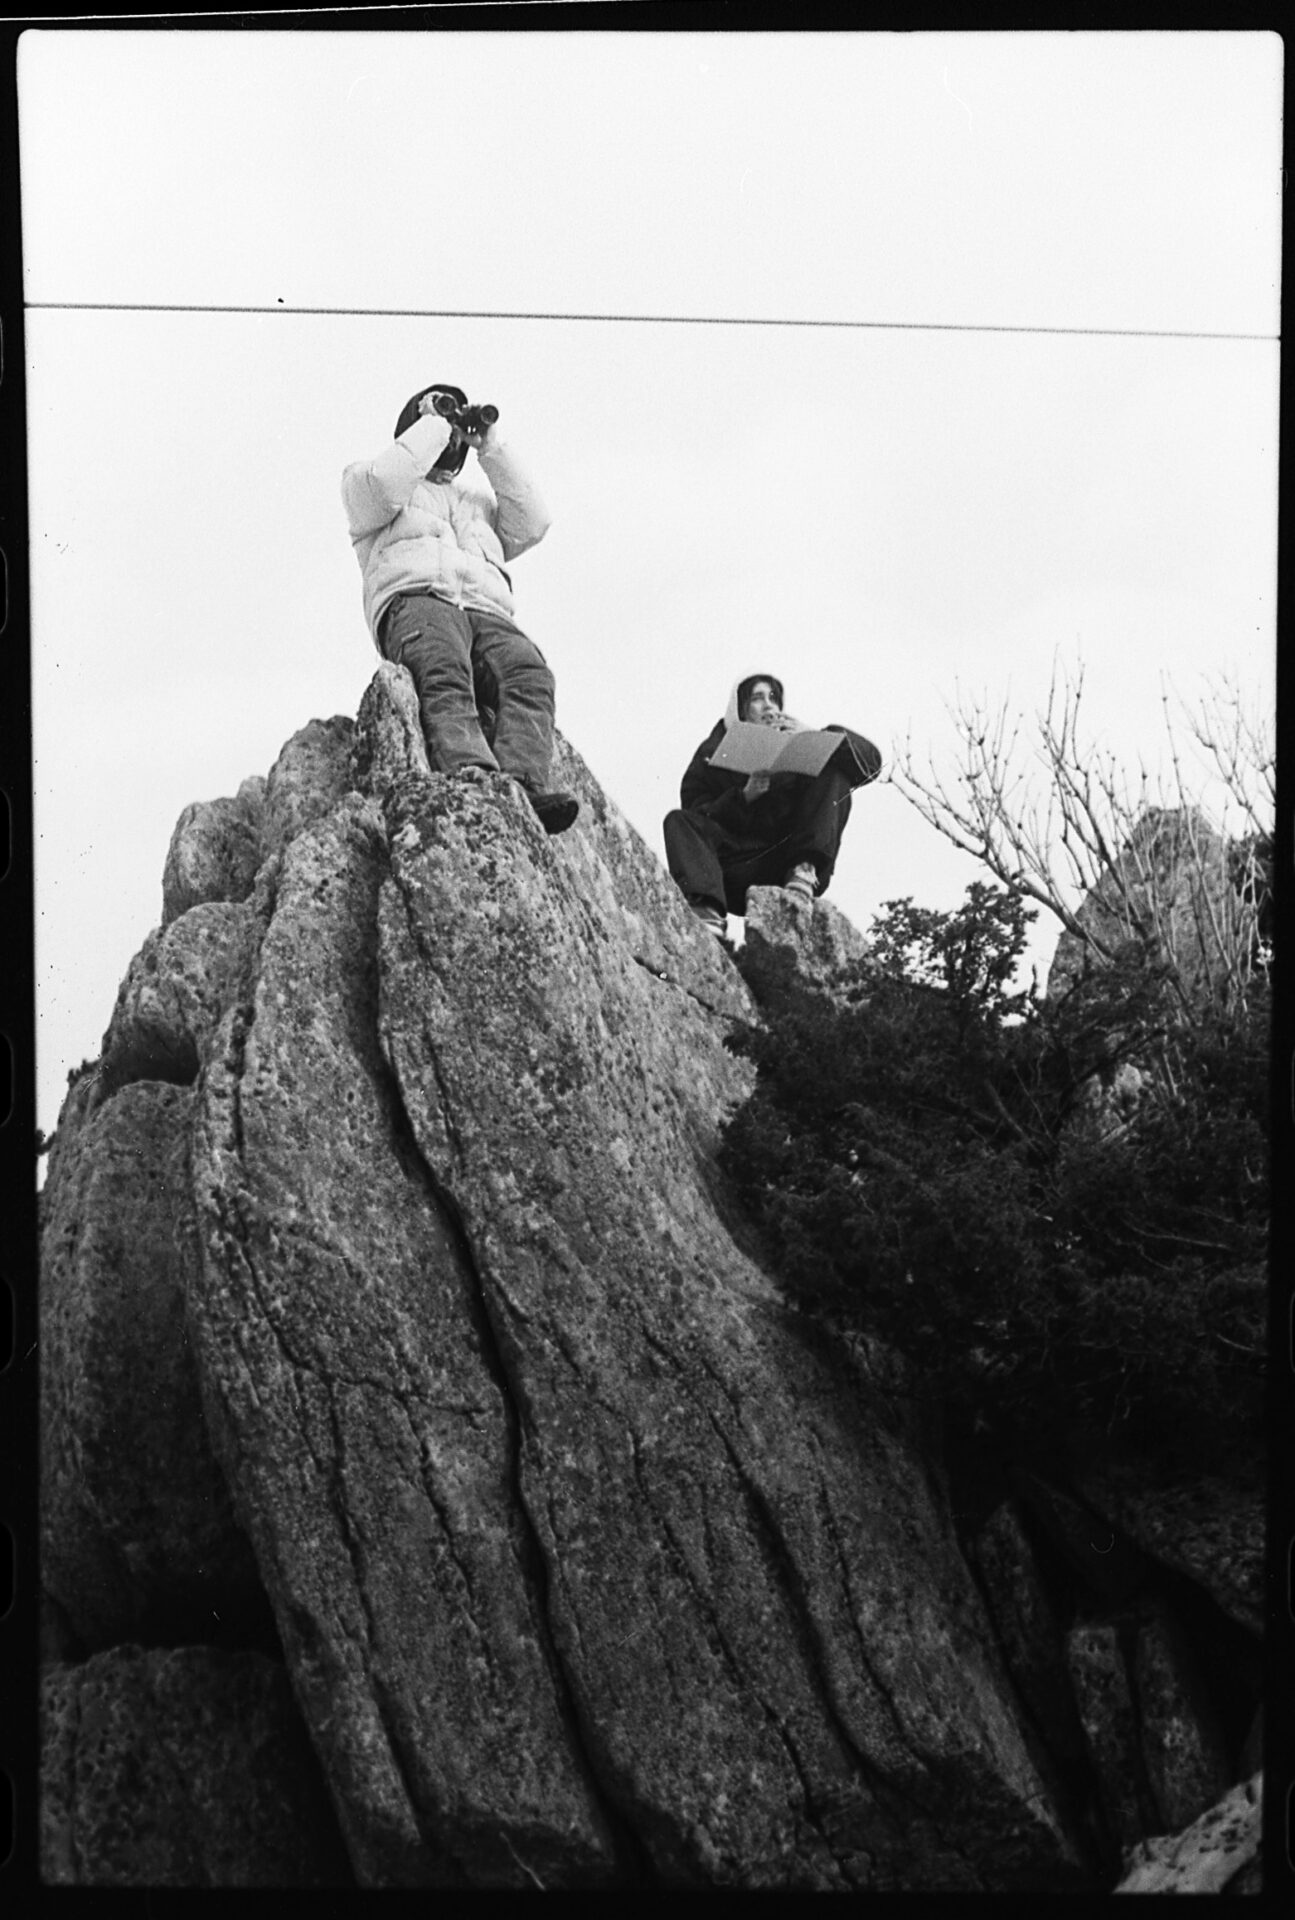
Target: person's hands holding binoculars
{"points": [[470, 424]]}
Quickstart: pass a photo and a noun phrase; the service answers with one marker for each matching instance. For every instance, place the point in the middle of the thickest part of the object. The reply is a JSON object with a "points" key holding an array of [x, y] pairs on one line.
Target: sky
{"points": [[859, 358]]}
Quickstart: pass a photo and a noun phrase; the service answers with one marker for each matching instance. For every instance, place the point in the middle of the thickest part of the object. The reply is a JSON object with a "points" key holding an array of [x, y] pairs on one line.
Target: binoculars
{"points": [[467, 419]]}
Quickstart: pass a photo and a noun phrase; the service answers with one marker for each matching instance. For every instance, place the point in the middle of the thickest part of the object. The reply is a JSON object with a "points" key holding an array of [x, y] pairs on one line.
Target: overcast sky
{"points": [[880, 513]]}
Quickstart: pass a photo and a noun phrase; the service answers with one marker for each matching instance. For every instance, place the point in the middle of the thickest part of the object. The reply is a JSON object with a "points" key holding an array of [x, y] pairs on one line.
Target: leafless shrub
{"points": [[1119, 859]]}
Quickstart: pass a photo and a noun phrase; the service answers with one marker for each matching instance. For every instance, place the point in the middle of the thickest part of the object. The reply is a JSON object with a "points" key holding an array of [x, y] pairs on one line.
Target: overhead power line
{"points": [[640, 319]]}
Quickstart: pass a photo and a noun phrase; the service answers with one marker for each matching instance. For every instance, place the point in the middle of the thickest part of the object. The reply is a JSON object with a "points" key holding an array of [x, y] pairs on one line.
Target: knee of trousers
{"points": [[433, 660], [524, 674], [677, 823], [535, 676]]}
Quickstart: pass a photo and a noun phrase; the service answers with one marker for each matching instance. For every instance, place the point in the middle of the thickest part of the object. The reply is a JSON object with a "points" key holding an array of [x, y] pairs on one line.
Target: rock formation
{"points": [[405, 1353], [1173, 884]]}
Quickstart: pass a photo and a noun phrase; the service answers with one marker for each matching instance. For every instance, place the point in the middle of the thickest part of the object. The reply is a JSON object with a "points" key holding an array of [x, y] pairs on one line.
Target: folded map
{"points": [[749, 748]]}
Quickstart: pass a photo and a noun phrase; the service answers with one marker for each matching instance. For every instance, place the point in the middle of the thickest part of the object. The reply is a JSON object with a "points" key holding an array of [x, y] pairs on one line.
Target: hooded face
{"points": [[762, 705], [740, 691]]}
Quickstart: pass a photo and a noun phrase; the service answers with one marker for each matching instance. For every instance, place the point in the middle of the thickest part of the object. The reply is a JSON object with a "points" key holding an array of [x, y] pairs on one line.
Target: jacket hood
{"points": [[731, 714]]}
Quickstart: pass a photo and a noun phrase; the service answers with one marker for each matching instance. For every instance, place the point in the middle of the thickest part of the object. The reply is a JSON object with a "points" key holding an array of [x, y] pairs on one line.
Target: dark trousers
{"points": [[456, 656], [716, 864]]}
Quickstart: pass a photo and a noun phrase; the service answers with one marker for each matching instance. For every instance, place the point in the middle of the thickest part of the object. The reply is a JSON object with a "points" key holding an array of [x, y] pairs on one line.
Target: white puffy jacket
{"points": [[450, 538]]}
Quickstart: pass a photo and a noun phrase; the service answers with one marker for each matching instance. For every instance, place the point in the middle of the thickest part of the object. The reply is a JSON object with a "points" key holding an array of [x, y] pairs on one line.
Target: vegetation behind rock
{"points": [[1056, 1209]]}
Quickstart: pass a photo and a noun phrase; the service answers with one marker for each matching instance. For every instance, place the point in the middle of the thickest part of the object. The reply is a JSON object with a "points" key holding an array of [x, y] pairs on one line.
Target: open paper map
{"points": [[748, 748]]}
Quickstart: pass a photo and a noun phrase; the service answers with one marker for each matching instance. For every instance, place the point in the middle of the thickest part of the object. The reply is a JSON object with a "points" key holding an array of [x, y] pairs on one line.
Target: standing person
{"points": [[432, 550], [732, 831]]}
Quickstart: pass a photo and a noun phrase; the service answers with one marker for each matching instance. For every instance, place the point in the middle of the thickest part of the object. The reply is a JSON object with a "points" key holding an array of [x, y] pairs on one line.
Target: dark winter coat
{"points": [[716, 792]]}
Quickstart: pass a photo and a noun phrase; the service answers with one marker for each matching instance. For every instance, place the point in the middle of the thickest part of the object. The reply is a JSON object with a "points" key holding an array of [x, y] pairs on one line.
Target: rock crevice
{"points": [[634, 1860]]}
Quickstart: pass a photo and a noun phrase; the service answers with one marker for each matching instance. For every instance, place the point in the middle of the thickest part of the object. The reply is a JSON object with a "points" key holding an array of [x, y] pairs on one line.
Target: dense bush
{"points": [[1057, 1210]]}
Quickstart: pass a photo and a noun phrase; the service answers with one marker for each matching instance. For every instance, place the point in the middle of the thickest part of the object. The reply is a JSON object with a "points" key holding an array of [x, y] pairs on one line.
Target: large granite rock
{"points": [[593, 1564], [187, 1768], [719, 1526], [355, 1397], [572, 1437]]}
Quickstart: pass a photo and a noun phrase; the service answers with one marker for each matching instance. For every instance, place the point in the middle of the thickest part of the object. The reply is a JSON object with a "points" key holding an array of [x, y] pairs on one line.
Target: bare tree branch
{"points": [[1116, 860]]}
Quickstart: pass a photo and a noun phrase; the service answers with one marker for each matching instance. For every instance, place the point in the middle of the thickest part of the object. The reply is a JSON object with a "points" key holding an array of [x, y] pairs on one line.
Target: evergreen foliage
{"points": [[1056, 1210]]}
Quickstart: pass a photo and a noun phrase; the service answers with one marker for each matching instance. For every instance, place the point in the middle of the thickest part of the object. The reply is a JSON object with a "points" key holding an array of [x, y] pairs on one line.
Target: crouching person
{"points": [[734, 830], [432, 549]]}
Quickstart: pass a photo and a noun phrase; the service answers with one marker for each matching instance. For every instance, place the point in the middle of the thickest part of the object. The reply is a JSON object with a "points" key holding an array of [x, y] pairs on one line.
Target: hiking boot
{"points": [[710, 917], [557, 811], [802, 880]]}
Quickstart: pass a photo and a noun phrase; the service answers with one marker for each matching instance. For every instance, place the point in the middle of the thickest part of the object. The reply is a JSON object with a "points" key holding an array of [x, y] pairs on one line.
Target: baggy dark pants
{"points": [[715, 865], [454, 652]]}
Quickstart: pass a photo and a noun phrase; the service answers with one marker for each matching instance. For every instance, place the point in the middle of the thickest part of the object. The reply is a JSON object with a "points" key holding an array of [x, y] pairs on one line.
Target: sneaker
{"points": [[557, 811], [710, 917], [802, 880]]}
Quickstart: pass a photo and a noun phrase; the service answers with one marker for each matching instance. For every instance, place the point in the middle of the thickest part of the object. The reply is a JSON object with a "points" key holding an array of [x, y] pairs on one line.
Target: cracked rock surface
{"points": [[590, 1565]]}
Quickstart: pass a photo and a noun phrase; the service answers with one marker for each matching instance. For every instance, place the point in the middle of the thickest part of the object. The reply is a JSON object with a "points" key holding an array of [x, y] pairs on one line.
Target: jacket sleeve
{"points": [[715, 792], [374, 491], [868, 756], [521, 517]]}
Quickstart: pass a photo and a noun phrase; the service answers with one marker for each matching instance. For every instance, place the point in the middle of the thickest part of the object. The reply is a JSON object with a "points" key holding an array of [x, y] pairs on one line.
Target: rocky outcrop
{"points": [[390, 1217], [787, 936], [1172, 885]]}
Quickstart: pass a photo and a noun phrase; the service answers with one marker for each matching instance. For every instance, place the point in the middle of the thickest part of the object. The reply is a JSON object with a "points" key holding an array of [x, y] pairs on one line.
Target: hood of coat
{"points": [[747, 680]]}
